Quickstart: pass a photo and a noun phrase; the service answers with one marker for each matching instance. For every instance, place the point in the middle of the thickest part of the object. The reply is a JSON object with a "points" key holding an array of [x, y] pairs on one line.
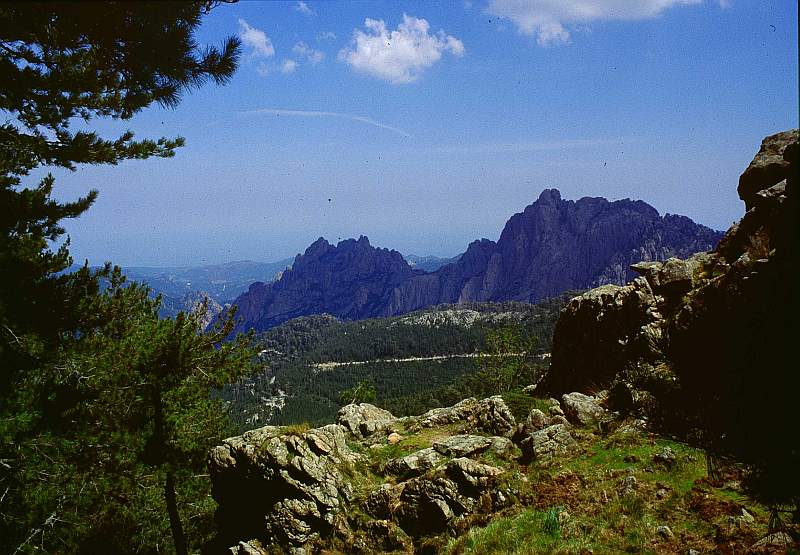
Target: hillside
{"points": [[553, 246], [416, 362]]}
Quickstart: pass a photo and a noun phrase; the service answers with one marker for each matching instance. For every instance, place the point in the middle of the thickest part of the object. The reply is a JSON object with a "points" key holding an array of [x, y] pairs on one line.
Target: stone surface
{"points": [[665, 532], [363, 419], [490, 415], [286, 486], [548, 442], [380, 501], [462, 445], [580, 409], [768, 166], [776, 541], [628, 485], [426, 506], [415, 463], [665, 457], [600, 332], [472, 474]]}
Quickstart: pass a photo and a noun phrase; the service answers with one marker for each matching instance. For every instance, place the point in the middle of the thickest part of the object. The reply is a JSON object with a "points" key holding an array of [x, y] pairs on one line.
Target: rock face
{"points": [[581, 409], [554, 245], [288, 489], [677, 308], [363, 419], [706, 337], [351, 280], [490, 415], [283, 486]]}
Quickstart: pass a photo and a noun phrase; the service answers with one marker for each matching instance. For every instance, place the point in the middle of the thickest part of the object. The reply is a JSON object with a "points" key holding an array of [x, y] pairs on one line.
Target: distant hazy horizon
{"points": [[425, 126]]}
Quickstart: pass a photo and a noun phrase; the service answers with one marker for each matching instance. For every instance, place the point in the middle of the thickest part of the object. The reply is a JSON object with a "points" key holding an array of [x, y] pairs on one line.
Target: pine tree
{"points": [[104, 409], [59, 63]]}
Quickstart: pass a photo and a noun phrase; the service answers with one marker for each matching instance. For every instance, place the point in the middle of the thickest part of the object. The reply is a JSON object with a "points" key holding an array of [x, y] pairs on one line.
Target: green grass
{"points": [[520, 404], [296, 429], [528, 532], [587, 486]]}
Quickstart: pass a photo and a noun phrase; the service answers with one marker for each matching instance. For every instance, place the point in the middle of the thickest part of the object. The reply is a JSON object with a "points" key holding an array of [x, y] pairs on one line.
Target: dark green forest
{"points": [[294, 354]]}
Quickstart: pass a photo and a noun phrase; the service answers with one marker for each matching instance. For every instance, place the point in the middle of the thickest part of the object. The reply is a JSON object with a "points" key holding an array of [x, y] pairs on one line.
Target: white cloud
{"points": [[303, 8], [398, 56], [313, 56], [546, 19], [256, 39], [317, 114], [326, 35], [288, 66]]}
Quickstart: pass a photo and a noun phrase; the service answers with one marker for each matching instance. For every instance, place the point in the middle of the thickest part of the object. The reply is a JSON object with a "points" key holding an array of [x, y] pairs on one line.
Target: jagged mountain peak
{"points": [[553, 245]]}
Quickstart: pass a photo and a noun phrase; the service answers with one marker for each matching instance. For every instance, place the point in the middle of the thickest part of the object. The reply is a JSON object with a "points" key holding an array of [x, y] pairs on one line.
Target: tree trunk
{"points": [[169, 485], [174, 517]]}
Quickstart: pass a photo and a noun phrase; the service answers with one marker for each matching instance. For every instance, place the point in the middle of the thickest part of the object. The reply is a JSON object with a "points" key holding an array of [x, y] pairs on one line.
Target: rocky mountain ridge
{"points": [[554, 245]]}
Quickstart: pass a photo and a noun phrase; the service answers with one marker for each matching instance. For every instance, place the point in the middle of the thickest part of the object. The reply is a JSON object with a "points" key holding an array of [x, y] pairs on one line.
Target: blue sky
{"points": [[434, 139]]}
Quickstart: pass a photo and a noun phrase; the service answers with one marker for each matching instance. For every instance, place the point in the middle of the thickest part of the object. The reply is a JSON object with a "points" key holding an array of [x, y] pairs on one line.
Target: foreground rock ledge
{"points": [[294, 488]]}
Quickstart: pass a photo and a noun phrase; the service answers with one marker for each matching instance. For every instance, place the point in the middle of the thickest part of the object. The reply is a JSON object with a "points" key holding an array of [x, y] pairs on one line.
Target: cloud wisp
{"points": [[303, 8], [399, 56], [313, 56], [320, 114], [548, 20], [257, 40]]}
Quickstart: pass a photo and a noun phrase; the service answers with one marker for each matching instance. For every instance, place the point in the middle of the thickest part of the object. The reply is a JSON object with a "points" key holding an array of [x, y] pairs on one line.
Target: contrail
{"points": [[317, 114]]}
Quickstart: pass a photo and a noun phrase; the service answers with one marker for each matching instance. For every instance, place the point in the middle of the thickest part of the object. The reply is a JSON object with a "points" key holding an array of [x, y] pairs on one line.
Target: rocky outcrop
{"points": [[696, 341], [771, 165], [581, 409], [489, 415], [363, 420], [668, 312], [599, 332], [292, 489], [553, 246], [284, 486]]}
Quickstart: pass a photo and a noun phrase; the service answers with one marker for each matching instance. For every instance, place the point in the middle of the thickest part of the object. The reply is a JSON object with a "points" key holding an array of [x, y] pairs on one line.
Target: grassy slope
{"points": [[573, 504]]}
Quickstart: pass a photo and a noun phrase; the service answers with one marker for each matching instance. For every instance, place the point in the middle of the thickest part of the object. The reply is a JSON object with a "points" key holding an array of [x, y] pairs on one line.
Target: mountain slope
{"points": [[351, 280], [555, 245], [552, 246]]}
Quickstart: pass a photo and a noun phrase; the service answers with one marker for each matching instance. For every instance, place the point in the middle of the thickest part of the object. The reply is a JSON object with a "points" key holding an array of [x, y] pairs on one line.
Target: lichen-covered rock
{"points": [[547, 442], [384, 536], [536, 421], [769, 166], [462, 445], [363, 419], [581, 409], [472, 474], [415, 463], [245, 548], [600, 332], [426, 506], [380, 502], [490, 415], [502, 446], [777, 542], [286, 487]]}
